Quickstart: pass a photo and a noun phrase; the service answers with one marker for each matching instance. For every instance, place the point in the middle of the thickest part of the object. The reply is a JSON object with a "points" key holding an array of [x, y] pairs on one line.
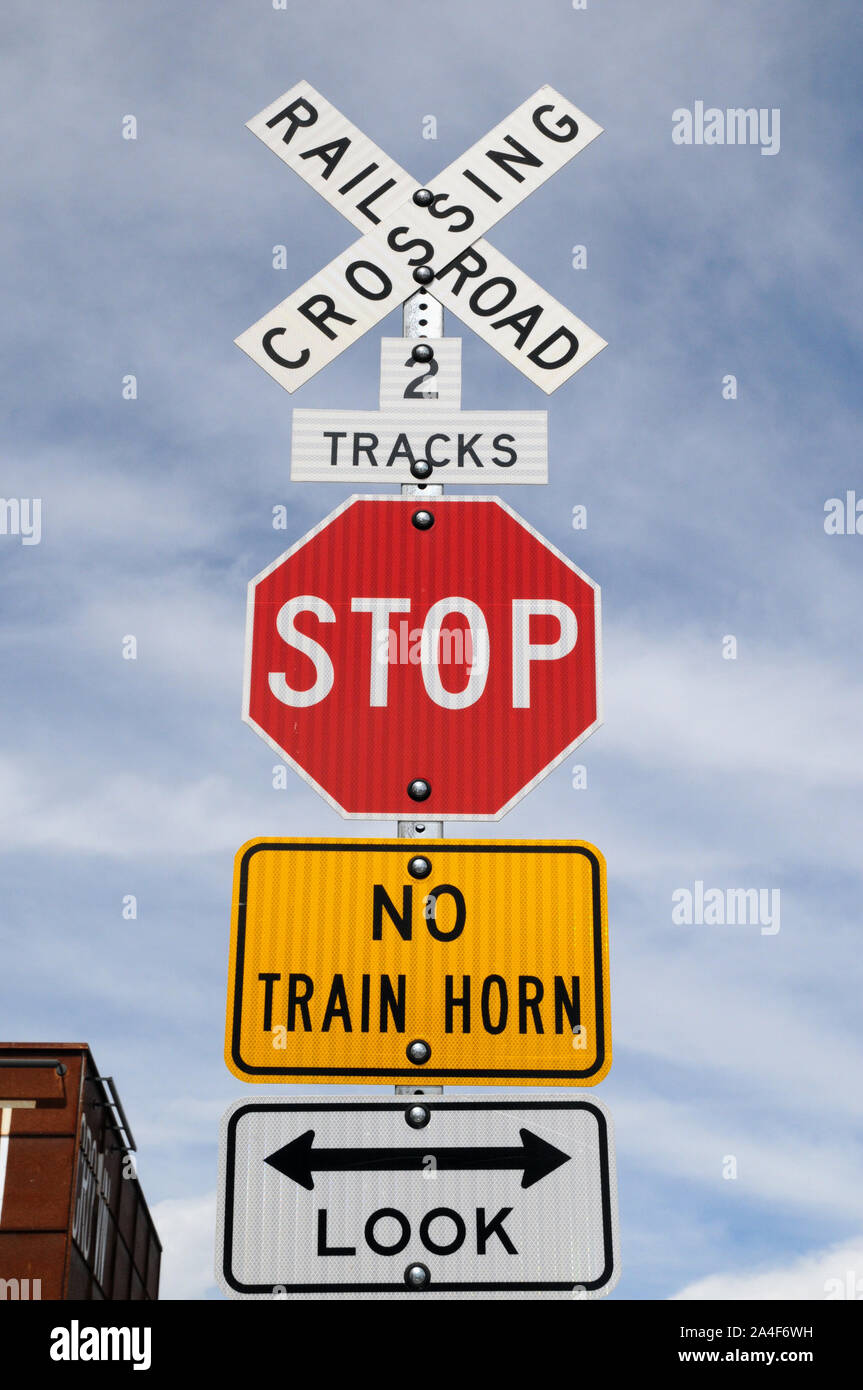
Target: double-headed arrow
{"points": [[298, 1160]]}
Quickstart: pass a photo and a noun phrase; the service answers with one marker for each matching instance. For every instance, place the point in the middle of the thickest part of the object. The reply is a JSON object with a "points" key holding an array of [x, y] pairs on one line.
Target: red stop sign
{"points": [[423, 659]]}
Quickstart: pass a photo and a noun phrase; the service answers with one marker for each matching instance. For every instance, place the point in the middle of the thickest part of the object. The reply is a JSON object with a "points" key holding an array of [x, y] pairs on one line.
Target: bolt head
{"points": [[418, 1116], [419, 789], [418, 1052], [423, 274], [423, 352], [419, 866], [423, 520], [417, 1277], [421, 468], [423, 197]]}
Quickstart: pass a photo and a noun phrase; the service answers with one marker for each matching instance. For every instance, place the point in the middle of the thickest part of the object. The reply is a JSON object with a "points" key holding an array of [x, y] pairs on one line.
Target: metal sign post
{"points": [[422, 317], [420, 658]]}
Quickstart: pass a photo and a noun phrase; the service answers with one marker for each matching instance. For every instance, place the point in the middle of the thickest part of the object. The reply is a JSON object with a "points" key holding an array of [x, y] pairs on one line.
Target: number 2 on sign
{"points": [[411, 390]]}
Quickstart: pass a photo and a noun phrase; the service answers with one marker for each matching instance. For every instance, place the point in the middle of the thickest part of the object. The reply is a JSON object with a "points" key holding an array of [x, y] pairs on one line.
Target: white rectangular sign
{"points": [[470, 446], [375, 274], [417, 1197], [406, 384]]}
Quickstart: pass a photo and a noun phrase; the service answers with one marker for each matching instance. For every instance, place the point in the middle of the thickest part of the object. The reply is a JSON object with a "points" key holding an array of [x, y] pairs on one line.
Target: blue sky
{"points": [[705, 518]]}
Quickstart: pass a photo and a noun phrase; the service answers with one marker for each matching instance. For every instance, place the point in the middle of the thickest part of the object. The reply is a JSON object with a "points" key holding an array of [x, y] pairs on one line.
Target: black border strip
{"points": [[312, 1107], [413, 1073]]}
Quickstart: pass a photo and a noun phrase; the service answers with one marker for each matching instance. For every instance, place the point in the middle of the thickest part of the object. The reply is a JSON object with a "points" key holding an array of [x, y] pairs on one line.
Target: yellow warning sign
{"points": [[440, 962]]}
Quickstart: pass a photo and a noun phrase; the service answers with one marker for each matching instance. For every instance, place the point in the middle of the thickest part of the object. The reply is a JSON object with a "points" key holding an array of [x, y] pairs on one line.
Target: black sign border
{"points": [[415, 1073], [312, 1107]]}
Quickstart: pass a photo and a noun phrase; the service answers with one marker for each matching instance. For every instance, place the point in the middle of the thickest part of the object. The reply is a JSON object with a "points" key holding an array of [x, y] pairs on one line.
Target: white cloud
{"points": [[835, 1273], [672, 700], [125, 815], [186, 1227], [778, 1165], [806, 1056]]}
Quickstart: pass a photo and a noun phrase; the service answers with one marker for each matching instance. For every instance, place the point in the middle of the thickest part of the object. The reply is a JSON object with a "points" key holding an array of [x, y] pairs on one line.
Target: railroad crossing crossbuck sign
{"points": [[399, 1198], [437, 656], [422, 236], [474, 963]]}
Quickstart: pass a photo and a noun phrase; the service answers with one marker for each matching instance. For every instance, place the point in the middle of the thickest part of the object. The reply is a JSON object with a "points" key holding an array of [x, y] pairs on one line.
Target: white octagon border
{"points": [[415, 812]]}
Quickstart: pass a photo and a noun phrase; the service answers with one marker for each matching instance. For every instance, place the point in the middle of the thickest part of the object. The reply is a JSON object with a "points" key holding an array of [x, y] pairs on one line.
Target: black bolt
{"points": [[418, 1052], [423, 521], [423, 274], [423, 352], [421, 468], [417, 1116], [423, 197], [419, 866], [417, 1276], [419, 790]]}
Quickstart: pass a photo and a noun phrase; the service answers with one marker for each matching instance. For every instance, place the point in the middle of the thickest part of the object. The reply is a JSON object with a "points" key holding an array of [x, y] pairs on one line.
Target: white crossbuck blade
{"points": [[373, 276]]}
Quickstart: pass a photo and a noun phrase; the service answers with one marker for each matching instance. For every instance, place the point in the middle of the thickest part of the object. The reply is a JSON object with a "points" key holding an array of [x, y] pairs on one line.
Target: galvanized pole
{"points": [[422, 318]]}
